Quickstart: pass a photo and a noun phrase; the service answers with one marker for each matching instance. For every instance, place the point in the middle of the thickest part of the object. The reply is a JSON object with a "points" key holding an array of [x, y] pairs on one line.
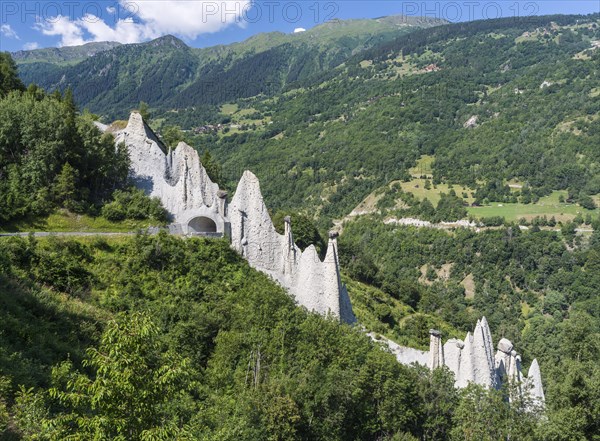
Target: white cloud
{"points": [[124, 31], [150, 19], [8, 32], [70, 32], [31, 46], [189, 18], [298, 30]]}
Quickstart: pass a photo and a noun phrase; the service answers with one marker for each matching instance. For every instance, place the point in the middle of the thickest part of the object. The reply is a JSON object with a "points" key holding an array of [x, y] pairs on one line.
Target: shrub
{"points": [[134, 204], [587, 202], [494, 221]]}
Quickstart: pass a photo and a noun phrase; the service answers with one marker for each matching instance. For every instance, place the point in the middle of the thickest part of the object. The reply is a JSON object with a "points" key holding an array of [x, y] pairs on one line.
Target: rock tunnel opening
{"points": [[202, 225]]}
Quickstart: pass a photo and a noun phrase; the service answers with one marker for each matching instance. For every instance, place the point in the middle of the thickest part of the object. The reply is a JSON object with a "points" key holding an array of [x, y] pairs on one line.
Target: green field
{"points": [[548, 206], [423, 167], [229, 109], [417, 187]]}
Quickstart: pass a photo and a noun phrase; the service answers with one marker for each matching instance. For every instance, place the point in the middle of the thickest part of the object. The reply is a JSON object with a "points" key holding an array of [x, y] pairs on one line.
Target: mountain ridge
{"points": [[262, 64], [62, 55]]}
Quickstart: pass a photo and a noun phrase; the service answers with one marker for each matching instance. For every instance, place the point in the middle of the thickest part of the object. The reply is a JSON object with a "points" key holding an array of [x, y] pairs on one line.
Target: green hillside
{"points": [[217, 351], [207, 348]]}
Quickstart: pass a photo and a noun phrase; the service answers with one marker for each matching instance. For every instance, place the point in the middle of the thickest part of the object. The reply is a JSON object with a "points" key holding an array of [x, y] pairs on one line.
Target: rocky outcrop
{"points": [[436, 350], [197, 206], [471, 122], [472, 360], [314, 283], [176, 177], [533, 384], [404, 354]]}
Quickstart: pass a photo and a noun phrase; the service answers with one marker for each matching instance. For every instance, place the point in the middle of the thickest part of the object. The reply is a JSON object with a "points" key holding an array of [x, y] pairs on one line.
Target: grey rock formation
{"points": [[483, 364], [176, 177], [314, 283], [453, 353], [197, 206], [404, 355], [533, 385], [436, 359], [505, 345], [472, 360]]}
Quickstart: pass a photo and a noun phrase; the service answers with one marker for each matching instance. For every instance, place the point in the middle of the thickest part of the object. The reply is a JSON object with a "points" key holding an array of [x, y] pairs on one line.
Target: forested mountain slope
{"points": [[168, 338], [324, 123], [217, 350], [492, 101], [168, 74]]}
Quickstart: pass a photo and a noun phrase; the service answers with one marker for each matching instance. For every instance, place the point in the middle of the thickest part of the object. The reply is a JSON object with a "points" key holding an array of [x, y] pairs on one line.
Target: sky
{"points": [[36, 24]]}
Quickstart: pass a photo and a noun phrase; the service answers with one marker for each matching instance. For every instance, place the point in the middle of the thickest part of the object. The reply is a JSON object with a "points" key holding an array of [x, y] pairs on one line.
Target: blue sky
{"points": [[32, 24]]}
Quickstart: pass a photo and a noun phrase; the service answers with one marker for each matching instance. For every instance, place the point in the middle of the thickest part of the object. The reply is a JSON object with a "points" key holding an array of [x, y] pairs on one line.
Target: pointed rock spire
{"points": [[181, 182], [473, 360], [465, 370], [436, 351], [315, 284], [483, 363], [176, 177], [534, 381]]}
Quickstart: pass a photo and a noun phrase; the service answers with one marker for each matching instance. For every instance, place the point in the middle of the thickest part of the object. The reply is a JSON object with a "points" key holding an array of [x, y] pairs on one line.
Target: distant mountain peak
{"points": [[168, 40]]}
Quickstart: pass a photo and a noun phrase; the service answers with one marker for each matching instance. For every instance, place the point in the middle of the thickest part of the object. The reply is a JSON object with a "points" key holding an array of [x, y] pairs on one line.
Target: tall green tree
{"points": [[9, 77], [65, 187], [144, 110], [132, 385]]}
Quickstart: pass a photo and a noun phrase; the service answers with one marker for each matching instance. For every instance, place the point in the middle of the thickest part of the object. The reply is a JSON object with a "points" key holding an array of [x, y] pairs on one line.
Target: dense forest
{"points": [[176, 76], [324, 138], [350, 132]]}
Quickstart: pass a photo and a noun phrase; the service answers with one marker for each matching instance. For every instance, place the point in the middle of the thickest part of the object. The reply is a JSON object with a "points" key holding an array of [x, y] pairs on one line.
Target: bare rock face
{"points": [[176, 177], [466, 371], [534, 384], [435, 349], [471, 122], [404, 355], [483, 364], [315, 284], [505, 345], [452, 353]]}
